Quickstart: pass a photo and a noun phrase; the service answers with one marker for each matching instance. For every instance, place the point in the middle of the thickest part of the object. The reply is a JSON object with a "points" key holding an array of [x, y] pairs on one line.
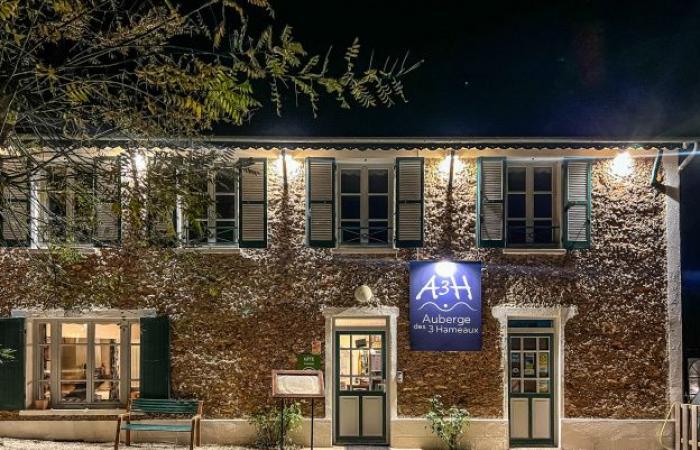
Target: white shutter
{"points": [[577, 204]]}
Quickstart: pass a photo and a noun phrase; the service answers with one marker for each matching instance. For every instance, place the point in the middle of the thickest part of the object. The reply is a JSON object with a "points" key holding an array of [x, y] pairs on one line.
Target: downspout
{"points": [[655, 170]]}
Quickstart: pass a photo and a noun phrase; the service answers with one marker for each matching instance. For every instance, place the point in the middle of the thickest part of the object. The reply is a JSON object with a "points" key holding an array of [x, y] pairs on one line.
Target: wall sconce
{"points": [[622, 165]]}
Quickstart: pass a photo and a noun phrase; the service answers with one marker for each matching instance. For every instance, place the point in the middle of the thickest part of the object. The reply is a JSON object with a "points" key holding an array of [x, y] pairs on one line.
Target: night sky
{"points": [[548, 68]]}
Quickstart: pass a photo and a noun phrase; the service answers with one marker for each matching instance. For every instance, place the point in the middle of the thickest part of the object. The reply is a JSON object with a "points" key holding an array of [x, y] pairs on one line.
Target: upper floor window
{"points": [[531, 213], [78, 205], [365, 206], [210, 217], [371, 204], [520, 203]]}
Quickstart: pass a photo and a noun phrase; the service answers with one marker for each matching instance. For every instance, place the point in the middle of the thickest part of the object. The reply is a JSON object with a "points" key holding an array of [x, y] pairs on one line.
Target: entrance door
{"points": [[530, 393], [360, 387]]}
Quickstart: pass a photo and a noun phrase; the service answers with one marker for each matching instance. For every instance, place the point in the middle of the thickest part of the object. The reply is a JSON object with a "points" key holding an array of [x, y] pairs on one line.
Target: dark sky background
{"points": [[547, 68]]}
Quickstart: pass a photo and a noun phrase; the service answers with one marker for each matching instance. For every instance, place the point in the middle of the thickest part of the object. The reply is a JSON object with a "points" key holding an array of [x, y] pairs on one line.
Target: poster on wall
{"points": [[445, 305]]}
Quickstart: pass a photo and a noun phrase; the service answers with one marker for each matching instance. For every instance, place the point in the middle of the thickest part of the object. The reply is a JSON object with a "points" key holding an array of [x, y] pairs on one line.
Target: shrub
{"points": [[448, 424], [267, 425]]}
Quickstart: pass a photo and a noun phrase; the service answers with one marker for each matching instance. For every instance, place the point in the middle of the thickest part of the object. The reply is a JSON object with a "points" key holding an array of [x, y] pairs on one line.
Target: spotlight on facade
{"points": [[287, 160], [140, 162], [622, 165], [445, 269], [444, 166]]}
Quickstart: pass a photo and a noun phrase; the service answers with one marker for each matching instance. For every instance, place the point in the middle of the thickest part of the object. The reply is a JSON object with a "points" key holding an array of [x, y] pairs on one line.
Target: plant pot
{"points": [[41, 403]]}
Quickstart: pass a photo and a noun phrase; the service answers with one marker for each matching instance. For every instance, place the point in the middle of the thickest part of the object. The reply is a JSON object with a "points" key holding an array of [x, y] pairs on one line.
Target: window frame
{"points": [[211, 230], [124, 377], [530, 192], [365, 195]]}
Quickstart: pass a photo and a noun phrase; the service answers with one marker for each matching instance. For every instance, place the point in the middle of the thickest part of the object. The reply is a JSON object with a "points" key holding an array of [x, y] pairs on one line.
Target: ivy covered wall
{"points": [[237, 316]]}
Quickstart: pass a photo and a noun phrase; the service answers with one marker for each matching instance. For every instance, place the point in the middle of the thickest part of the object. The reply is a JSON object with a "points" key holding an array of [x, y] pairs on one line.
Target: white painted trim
{"points": [[373, 251], [87, 314], [534, 251], [674, 321], [389, 312], [559, 315]]}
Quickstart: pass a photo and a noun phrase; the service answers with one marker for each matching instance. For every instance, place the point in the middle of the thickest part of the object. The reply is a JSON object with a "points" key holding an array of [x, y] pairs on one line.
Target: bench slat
{"points": [[165, 406], [156, 427]]}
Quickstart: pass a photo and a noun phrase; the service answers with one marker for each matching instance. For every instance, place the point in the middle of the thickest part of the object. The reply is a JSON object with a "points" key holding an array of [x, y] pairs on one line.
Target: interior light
{"points": [[622, 165], [445, 269]]}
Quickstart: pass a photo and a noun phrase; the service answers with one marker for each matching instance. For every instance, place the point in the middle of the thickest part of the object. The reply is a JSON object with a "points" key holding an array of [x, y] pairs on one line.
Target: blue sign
{"points": [[445, 306]]}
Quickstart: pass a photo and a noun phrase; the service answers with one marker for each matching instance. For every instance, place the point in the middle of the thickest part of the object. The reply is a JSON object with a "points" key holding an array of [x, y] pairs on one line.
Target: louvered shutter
{"points": [[409, 202], [12, 384], [14, 203], [490, 202], [252, 221], [320, 202], [577, 203], [155, 357], [107, 201], [161, 213]]}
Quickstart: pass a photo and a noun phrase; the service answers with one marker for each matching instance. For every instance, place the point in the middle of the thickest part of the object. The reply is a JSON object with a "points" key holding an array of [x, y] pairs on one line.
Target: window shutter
{"points": [[320, 202], [155, 357], [14, 204], [409, 202], [107, 201], [490, 202], [577, 203], [12, 389], [161, 210], [252, 222]]}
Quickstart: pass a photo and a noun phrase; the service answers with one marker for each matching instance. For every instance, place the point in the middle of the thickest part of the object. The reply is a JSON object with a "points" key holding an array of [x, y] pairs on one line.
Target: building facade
{"points": [[579, 294]]}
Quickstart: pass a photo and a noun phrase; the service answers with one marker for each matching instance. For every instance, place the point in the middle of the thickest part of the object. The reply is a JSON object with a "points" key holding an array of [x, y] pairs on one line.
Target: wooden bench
{"points": [[190, 408]]}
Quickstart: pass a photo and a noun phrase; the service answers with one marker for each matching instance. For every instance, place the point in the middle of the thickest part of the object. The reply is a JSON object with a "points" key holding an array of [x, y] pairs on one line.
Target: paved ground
{"points": [[17, 444]]}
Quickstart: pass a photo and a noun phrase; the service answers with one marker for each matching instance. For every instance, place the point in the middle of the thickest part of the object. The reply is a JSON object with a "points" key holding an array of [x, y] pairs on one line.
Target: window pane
{"points": [[350, 207], [516, 178], [73, 392], [543, 205], [107, 333], [74, 333], [542, 178], [543, 232], [45, 362], [225, 206], [516, 205], [515, 343], [226, 180], [543, 365], [378, 232], [135, 362], [136, 333], [44, 333], [515, 364], [73, 362], [106, 362], [530, 343], [44, 391], [106, 391], [226, 232], [378, 181], [350, 181], [378, 207], [515, 386], [517, 232], [350, 232], [197, 232]]}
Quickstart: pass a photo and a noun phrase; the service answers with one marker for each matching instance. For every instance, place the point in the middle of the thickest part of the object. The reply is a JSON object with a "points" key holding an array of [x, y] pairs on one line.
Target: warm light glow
{"points": [[445, 269], [293, 166], [444, 166], [140, 162], [622, 165]]}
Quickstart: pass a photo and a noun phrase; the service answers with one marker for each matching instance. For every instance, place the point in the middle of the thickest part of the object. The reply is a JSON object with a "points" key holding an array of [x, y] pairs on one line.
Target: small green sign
{"points": [[307, 361]]}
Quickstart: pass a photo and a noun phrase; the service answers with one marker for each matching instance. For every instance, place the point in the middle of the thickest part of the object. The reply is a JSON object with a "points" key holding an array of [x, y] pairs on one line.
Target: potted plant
{"points": [[448, 424]]}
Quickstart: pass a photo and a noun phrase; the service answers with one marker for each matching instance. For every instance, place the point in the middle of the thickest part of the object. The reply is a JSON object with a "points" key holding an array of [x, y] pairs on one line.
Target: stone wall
{"points": [[235, 317]]}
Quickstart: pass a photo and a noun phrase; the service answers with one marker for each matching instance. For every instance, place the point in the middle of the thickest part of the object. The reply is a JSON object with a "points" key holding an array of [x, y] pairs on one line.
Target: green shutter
{"points": [[490, 202], [14, 203], [320, 202], [252, 220], [155, 357], [107, 201], [12, 384], [577, 203], [409, 202]]}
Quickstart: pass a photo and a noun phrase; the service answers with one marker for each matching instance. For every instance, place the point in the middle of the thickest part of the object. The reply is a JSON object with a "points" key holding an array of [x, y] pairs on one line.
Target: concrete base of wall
{"points": [[483, 434]]}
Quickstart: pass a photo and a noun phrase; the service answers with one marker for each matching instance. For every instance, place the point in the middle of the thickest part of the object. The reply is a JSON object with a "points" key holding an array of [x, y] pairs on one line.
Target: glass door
{"points": [[360, 366], [531, 402]]}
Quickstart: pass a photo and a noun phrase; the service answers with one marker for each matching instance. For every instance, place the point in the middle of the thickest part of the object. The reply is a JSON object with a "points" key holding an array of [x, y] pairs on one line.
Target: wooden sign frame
{"points": [[318, 374]]}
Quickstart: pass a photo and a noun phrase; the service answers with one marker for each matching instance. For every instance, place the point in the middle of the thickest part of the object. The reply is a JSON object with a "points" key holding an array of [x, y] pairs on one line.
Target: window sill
{"points": [[71, 412], [534, 251], [82, 250], [209, 250], [371, 251]]}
